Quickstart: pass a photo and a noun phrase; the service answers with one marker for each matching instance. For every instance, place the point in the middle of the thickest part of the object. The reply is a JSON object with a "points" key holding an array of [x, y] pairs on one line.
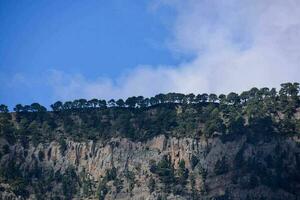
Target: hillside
{"points": [[171, 146]]}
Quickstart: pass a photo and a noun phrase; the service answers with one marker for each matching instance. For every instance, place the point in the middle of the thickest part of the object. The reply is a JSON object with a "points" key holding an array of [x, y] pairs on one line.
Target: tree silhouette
{"points": [[3, 108]]}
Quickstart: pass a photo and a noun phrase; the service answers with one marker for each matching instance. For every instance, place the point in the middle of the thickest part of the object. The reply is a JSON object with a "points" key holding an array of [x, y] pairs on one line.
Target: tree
{"points": [[140, 101], [171, 97], [273, 93], [102, 103], [151, 185], [214, 125], [93, 102], [289, 89], [18, 108], [69, 183], [194, 161], [57, 106], [179, 97], [153, 101], [261, 124], [165, 170], [120, 103], [253, 92], [102, 190], [111, 174], [146, 102], [193, 184], [160, 98], [3, 108], [62, 146], [131, 102], [76, 104], [221, 166], [190, 98], [36, 107], [233, 98], [236, 125], [26, 108], [112, 103], [88, 104], [222, 98], [213, 98], [68, 105], [183, 173], [244, 96], [203, 97], [265, 91], [82, 103]]}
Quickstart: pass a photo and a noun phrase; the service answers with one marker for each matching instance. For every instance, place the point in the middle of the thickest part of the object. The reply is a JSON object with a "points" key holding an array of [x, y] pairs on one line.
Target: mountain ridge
{"points": [[243, 146]]}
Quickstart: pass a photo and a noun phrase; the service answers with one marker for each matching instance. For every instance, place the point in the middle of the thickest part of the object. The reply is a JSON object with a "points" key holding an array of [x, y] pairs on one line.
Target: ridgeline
{"points": [[171, 146]]}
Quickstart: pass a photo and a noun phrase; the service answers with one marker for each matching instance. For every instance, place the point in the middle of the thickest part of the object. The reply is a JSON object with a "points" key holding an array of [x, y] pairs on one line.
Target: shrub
{"points": [[194, 161], [41, 156], [151, 184], [62, 146], [221, 166]]}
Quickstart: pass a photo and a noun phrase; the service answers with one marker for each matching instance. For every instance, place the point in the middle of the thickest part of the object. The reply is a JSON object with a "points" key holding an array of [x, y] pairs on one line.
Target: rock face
{"points": [[228, 167]]}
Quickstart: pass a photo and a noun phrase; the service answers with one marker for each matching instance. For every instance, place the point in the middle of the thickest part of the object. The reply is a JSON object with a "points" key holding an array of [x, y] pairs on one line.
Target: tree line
{"points": [[287, 91]]}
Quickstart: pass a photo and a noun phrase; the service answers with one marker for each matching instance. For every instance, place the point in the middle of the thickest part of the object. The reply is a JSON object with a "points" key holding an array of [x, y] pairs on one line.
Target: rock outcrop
{"points": [[226, 167]]}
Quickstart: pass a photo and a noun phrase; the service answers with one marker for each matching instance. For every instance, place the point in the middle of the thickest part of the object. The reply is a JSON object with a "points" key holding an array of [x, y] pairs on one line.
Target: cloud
{"points": [[235, 45]]}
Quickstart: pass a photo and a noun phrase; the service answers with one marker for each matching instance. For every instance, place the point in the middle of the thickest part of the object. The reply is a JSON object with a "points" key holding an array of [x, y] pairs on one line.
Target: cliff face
{"points": [[222, 167]]}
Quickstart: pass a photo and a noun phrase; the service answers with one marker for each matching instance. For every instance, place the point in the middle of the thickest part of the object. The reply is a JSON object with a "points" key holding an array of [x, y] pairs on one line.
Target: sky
{"points": [[63, 50]]}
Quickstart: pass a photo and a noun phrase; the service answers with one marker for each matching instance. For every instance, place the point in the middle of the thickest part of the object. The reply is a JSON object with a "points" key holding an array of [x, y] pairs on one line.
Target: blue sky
{"points": [[61, 50], [98, 38]]}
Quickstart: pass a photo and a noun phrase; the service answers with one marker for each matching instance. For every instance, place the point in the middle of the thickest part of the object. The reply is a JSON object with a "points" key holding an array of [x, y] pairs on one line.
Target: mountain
{"points": [[171, 146]]}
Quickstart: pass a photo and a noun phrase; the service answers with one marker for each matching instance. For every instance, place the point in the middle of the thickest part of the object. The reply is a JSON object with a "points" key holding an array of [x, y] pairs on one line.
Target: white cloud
{"points": [[237, 45]]}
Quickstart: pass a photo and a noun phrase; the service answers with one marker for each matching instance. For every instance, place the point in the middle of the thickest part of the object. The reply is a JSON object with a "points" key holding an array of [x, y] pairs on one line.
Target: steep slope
{"points": [[171, 146], [243, 167]]}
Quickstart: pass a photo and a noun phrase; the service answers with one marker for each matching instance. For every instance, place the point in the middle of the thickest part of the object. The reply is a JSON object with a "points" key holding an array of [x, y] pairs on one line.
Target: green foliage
{"points": [[221, 166], [86, 183], [214, 126], [118, 183], [183, 173], [3, 108], [239, 158], [102, 190], [151, 184], [164, 170], [130, 179], [41, 156], [69, 183], [111, 174], [194, 161], [10, 171], [173, 114], [19, 188], [62, 145], [7, 128], [202, 172], [36, 107], [193, 188], [236, 125], [233, 98], [5, 149], [255, 113]]}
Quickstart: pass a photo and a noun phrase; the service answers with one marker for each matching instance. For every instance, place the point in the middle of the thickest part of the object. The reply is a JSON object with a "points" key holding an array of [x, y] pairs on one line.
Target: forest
{"points": [[265, 118], [257, 110]]}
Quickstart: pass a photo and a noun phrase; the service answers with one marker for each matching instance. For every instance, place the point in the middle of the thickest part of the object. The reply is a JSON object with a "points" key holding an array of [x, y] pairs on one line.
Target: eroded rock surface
{"points": [[239, 167]]}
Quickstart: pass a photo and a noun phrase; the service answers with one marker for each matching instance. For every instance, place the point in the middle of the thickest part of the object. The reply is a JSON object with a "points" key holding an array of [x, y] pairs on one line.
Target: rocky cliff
{"points": [[170, 146], [221, 167]]}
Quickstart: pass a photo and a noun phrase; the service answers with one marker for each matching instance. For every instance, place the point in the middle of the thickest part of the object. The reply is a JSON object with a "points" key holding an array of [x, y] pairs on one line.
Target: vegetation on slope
{"points": [[257, 110], [254, 113]]}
